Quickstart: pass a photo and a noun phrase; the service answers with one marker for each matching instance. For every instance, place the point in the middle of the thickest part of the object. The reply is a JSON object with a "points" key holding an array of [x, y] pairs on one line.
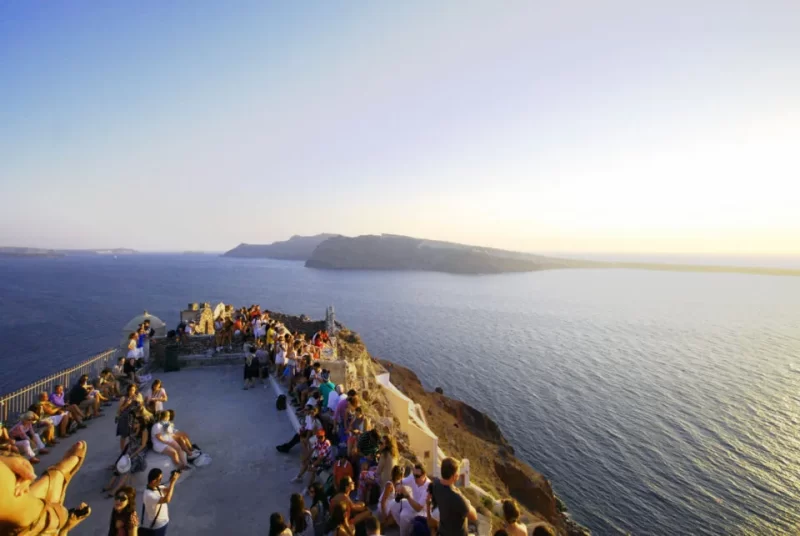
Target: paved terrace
{"points": [[234, 495]]}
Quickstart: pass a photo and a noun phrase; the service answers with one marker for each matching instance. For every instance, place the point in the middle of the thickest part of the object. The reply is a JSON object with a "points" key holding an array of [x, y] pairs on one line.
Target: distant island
{"points": [[54, 253], [393, 252], [297, 248], [28, 252]]}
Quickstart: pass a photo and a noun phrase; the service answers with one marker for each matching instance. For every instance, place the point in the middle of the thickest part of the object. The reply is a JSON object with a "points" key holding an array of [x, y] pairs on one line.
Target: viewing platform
{"points": [[247, 479]]}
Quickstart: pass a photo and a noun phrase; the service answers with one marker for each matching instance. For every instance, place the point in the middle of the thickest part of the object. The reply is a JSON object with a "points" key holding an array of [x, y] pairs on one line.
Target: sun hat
{"points": [[123, 464], [29, 416]]}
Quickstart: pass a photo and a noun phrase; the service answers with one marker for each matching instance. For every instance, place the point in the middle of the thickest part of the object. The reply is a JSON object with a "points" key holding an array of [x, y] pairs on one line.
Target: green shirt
{"points": [[324, 390]]}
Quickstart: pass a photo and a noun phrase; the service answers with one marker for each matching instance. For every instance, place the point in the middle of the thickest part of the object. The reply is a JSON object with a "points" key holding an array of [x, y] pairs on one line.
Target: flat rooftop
{"points": [[247, 479]]}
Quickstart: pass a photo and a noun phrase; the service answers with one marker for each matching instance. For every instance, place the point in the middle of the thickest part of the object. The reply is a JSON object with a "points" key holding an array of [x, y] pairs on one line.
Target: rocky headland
{"points": [[463, 431], [297, 248], [393, 252]]}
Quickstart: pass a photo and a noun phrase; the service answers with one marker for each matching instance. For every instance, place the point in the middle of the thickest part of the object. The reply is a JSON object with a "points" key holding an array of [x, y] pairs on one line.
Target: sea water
{"points": [[656, 402]]}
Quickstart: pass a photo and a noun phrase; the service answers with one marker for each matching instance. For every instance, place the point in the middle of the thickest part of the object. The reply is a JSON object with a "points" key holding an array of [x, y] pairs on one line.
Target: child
{"points": [[367, 477]]}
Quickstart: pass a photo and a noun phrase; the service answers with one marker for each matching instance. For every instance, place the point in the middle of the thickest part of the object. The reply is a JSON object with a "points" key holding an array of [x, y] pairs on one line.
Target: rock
{"points": [[439, 390], [530, 489]]}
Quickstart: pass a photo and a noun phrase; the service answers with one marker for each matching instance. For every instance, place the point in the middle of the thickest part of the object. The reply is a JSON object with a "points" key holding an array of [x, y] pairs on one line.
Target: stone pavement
{"points": [[234, 495]]}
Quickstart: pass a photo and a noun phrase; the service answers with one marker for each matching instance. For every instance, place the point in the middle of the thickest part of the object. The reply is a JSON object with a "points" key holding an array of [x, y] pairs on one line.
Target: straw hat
{"points": [[29, 416]]}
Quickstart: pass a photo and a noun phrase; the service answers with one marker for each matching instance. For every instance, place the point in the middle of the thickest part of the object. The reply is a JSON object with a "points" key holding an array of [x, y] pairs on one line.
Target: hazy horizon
{"points": [[580, 128]]}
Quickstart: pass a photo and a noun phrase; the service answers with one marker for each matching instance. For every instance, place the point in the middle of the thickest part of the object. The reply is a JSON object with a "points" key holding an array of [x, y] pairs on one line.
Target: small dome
{"points": [[134, 322]]}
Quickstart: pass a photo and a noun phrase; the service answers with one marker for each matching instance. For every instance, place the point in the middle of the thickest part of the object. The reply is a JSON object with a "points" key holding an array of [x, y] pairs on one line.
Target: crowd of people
{"points": [[354, 482], [59, 415]]}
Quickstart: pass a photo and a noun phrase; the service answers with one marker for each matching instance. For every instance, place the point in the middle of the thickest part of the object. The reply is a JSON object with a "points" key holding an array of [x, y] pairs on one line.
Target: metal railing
{"points": [[18, 402]]}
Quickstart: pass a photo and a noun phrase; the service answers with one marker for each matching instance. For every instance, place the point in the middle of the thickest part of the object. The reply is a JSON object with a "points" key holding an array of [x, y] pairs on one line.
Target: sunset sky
{"points": [[539, 126]]}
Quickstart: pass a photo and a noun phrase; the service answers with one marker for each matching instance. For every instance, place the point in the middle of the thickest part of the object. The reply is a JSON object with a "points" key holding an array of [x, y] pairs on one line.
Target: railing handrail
{"points": [[62, 376]]}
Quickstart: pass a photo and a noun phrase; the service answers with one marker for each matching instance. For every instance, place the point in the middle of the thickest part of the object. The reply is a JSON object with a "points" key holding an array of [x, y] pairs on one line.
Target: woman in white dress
{"points": [[132, 345], [158, 395]]}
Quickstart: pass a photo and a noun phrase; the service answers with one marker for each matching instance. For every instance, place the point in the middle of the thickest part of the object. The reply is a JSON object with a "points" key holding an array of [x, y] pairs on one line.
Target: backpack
{"points": [[280, 403]]}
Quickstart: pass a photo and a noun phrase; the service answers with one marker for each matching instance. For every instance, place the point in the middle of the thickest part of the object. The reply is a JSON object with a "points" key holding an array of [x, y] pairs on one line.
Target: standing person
{"points": [[124, 520], [300, 519], [158, 395], [132, 340], [454, 508], [389, 458], [149, 333], [250, 369], [140, 337], [156, 498]]}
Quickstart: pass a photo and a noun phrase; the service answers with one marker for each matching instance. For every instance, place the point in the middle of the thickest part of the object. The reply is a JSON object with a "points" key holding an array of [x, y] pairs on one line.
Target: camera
{"points": [[175, 471]]}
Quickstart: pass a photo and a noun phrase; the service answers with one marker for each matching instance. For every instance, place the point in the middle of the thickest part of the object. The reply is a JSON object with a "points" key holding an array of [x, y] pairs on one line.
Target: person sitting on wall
{"points": [[311, 424], [333, 399], [129, 368], [182, 438], [26, 437], [341, 411], [319, 459], [79, 395], [57, 398], [109, 385], [418, 482], [164, 442], [94, 392], [357, 511], [48, 412]]}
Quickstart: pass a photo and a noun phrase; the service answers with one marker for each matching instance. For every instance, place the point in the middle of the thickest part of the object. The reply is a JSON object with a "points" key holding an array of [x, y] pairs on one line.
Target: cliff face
{"points": [[391, 252], [465, 432], [297, 248]]}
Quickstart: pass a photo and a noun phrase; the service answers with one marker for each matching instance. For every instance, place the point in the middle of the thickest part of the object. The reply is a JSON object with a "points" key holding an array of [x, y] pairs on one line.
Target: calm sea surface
{"points": [[656, 402]]}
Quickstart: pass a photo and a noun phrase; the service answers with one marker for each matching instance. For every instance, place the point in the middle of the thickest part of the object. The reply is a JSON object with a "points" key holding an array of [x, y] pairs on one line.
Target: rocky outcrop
{"points": [[297, 248], [392, 252], [466, 432]]}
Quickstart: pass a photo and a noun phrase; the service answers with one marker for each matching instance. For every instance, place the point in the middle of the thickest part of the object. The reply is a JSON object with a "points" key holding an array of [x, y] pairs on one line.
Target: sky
{"points": [[612, 126]]}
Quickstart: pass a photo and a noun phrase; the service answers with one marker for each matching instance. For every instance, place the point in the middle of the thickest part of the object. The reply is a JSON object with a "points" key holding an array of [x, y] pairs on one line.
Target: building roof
{"points": [[134, 322]]}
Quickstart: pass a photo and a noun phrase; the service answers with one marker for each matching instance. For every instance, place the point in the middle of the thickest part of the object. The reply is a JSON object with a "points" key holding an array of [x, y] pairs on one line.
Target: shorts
{"points": [[55, 420]]}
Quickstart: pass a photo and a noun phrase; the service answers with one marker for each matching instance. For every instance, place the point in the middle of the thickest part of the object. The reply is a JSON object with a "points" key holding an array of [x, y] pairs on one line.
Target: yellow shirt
{"points": [[270, 336]]}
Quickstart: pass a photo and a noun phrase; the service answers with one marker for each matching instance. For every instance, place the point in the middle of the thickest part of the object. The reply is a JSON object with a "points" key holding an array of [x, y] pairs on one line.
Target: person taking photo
{"points": [[156, 498]]}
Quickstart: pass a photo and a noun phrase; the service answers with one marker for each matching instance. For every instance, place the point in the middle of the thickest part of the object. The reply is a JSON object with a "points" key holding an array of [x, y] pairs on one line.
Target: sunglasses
{"points": [[121, 498]]}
